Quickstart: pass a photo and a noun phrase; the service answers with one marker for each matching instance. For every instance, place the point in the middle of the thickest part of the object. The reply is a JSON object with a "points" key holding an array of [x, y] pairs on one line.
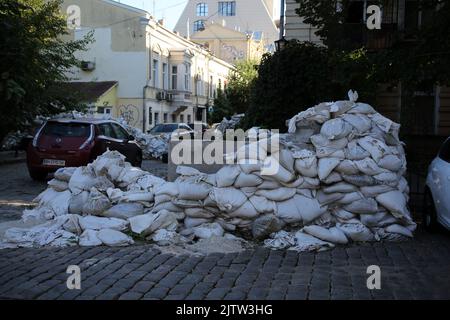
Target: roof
{"points": [[82, 120], [91, 91]]}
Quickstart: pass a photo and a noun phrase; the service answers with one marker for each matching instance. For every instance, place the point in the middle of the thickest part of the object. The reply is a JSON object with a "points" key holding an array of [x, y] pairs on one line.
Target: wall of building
{"points": [[296, 28]]}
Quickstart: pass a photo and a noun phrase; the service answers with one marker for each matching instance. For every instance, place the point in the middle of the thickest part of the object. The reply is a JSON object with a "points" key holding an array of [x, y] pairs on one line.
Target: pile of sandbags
{"points": [[230, 124], [336, 177]]}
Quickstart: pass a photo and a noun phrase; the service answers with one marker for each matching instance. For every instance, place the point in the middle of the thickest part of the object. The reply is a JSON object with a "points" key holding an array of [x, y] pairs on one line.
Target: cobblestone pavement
{"points": [[17, 189], [417, 269]]}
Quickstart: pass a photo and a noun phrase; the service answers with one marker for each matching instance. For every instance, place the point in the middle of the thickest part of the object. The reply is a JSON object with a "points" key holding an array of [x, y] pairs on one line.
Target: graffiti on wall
{"points": [[129, 113]]}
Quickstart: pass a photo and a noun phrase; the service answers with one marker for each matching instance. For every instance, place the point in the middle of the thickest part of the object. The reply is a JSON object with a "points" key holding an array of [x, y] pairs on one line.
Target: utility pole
{"points": [[282, 18]]}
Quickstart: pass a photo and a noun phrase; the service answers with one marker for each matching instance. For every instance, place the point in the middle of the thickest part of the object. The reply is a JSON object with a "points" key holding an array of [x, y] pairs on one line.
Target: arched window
{"points": [[202, 10], [199, 25]]}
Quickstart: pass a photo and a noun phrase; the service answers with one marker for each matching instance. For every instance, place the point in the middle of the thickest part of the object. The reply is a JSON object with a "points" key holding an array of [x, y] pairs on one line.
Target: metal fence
{"points": [[416, 181]]}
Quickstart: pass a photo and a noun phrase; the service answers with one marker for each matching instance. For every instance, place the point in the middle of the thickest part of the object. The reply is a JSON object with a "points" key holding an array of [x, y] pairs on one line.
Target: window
{"points": [[187, 77], [174, 77], [120, 132], [150, 118], [189, 118], [165, 117], [181, 117], [72, 130], [174, 118], [210, 94], [106, 130], [155, 73], [444, 154], [199, 25], [104, 110], [202, 10], [165, 77], [156, 117], [227, 8]]}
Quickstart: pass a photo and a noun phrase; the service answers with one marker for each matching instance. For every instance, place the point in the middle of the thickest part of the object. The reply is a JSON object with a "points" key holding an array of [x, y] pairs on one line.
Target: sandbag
{"points": [[333, 235], [58, 185], [228, 199], [395, 202], [168, 188], [64, 174], [124, 210], [307, 166], [350, 198], [359, 180], [247, 180], [265, 225], [335, 129], [360, 122], [226, 176], [366, 205], [89, 238], [356, 231], [368, 167], [146, 224], [328, 198], [375, 147], [189, 190], [83, 179], [194, 222], [96, 203], [245, 211], [325, 166], [208, 230], [279, 194], [305, 243], [396, 228], [114, 238], [342, 187], [298, 209], [347, 167], [198, 213], [262, 204], [98, 223], [354, 152], [373, 191], [272, 168], [391, 162]]}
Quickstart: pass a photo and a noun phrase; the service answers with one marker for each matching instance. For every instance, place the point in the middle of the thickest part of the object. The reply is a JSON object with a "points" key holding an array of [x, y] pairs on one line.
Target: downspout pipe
{"points": [[144, 107]]}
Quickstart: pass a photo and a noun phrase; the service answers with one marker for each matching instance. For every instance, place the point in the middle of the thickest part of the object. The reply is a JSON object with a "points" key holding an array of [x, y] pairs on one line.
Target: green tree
{"points": [[235, 98], [34, 60]]}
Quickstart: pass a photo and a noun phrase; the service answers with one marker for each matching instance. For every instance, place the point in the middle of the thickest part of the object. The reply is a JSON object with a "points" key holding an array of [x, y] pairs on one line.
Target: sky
{"points": [[170, 10]]}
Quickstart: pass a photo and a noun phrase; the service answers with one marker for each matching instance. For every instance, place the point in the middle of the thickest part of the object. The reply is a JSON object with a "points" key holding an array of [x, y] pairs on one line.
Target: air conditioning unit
{"points": [[169, 97], [87, 65], [161, 95]]}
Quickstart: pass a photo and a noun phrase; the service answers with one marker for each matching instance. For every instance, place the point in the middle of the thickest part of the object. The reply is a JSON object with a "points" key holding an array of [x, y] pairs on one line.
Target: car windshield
{"points": [[164, 128], [73, 130]]}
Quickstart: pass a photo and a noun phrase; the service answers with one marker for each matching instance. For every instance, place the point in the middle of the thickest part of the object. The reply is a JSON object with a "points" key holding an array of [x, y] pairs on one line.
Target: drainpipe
{"points": [[282, 18], [144, 107]]}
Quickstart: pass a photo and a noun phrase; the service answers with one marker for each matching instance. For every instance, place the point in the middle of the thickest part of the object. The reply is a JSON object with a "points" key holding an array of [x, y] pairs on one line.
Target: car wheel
{"points": [[429, 219], [37, 175], [165, 158], [138, 161]]}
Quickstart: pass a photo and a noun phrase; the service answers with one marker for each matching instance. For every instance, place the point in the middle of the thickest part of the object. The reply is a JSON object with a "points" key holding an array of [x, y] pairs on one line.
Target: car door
{"points": [[440, 184], [107, 138], [123, 144]]}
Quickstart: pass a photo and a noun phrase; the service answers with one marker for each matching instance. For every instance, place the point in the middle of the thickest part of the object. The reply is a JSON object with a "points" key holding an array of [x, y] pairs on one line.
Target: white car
{"points": [[437, 190]]}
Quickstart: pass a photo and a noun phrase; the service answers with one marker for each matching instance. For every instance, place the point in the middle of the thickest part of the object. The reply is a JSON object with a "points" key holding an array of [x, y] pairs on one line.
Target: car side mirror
{"points": [[131, 138]]}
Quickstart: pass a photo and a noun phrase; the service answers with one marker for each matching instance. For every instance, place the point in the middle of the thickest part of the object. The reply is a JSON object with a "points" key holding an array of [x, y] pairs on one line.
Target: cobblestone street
{"points": [[417, 269]]}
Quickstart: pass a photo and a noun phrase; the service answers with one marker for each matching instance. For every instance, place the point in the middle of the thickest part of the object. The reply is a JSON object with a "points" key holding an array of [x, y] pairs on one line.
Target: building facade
{"points": [[161, 77], [255, 20]]}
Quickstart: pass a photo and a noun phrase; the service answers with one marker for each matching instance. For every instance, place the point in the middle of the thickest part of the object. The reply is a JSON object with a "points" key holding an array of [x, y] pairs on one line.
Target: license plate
{"points": [[52, 162]]}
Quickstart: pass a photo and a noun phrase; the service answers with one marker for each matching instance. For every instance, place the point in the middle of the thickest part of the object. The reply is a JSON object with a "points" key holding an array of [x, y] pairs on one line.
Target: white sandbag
{"points": [[247, 180], [395, 202], [82, 179], [249, 165], [72, 224], [58, 185], [97, 203], [368, 166], [102, 183], [226, 176], [328, 198], [56, 201], [391, 162], [366, 205], [373, 219], [64, 174], [130, 175], [114, 238], [363, 108], [194, 222], [169, 206], [208, 230], [262, 204], [187, 171], [106, 160], [246, 211], [356, 231], [269, 185], [309, 183], [307, 243], [342, 214], [135, 196], [114, 171], [189, 190], [333, 235], [168, 188], [273, 169], [359, 180], [354, 152], [198, 213], [341, 187], [148, 182], [360, 122], [396, 228], [299, 208], [265, 225], [285, 158], [347, 167], [279, 194], [187, 203], [124, 210], [350, 198], [253, 150], [325, 147], [228, 199], [307, 166], [146, 224], [98, 223], [332, 178], [89, 238], [249, 191], [373, 191], [335, 129], [162, 198], [389, 178], [325, 166], [375, 147]]}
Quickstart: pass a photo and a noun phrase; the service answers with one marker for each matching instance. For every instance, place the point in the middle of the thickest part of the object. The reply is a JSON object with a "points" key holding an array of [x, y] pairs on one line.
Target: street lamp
{"points": [[280, 44]]}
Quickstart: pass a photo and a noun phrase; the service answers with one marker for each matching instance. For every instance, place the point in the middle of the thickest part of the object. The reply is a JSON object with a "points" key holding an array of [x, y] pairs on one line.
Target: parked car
{"points": [[76, 142], [198, 127], [437, 191], [171, 129]]}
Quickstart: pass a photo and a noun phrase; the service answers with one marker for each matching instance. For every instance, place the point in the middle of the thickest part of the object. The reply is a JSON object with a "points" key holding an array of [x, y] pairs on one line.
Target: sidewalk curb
{"points": [[12, 161]]}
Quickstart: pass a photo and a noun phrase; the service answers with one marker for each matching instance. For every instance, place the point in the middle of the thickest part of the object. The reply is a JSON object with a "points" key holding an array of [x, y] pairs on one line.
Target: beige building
{"points": [[234, 24], [161, 76]]}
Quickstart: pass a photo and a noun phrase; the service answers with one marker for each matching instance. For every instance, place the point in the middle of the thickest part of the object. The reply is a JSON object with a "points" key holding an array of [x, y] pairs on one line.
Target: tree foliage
{"points": [[34, 59]]}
